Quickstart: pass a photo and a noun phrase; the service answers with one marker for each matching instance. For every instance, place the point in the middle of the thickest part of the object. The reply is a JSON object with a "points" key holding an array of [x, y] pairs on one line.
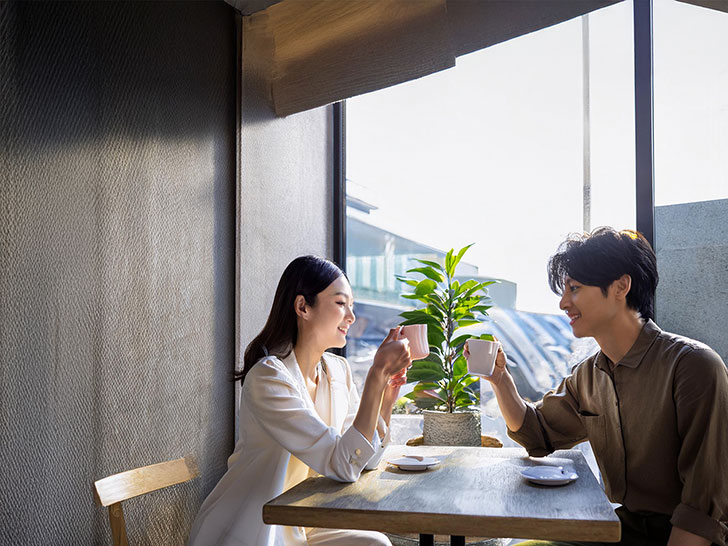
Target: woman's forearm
{"points": [[367, 416], [510, 402]]}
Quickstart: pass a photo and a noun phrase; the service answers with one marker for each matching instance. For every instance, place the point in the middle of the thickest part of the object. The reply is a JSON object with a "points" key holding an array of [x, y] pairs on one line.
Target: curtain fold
{"points": [[309, 53]]}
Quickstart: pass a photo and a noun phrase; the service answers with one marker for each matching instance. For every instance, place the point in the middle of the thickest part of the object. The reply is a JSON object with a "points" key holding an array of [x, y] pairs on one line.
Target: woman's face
{"points": [[332, 314]]}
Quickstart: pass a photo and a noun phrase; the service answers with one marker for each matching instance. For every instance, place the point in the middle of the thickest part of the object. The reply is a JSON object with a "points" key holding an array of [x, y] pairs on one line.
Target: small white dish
{"points": [[549, 475], [414, 463]]}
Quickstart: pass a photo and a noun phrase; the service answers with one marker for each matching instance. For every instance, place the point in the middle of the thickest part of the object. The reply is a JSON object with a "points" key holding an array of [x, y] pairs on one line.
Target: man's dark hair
{"points": [[601, 257]]}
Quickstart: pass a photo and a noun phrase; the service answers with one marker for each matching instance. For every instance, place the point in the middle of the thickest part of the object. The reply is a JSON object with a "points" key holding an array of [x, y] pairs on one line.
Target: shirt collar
{"points": [[637, 352]]}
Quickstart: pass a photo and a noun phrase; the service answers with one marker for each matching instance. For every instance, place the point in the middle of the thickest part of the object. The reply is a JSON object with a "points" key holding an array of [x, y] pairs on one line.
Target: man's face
{"points": [[590, 311]]}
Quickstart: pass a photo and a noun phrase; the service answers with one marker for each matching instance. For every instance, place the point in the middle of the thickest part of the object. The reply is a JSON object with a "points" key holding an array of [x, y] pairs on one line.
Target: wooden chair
{"points": [[113, 490]]}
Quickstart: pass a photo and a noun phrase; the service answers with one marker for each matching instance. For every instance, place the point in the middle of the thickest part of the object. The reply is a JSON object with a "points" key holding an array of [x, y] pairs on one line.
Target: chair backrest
{"points": [[113, 490]]}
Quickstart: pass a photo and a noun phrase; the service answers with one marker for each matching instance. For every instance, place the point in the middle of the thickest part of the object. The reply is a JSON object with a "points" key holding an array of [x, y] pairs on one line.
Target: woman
{"points": [[300, 412]]}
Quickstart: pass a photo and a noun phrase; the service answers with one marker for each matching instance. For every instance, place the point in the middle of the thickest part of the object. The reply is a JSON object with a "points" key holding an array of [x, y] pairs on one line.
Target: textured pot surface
{"points": [[451, 429]]}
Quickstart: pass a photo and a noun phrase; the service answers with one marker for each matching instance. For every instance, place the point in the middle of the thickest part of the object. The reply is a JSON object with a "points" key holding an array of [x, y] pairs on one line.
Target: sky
{"points": [[491, 152]]}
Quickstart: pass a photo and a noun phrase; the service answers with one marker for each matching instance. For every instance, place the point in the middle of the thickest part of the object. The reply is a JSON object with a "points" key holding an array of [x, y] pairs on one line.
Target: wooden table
{"points": [[475, 491]]}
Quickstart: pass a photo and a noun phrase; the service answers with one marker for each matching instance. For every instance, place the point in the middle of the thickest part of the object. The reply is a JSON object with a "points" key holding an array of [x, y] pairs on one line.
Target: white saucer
{"points": [[549, 475], [414, 463]]}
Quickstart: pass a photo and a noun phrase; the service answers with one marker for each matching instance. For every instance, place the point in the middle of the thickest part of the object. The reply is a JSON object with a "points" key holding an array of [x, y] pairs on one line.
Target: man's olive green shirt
{"points": [[658, 424]]}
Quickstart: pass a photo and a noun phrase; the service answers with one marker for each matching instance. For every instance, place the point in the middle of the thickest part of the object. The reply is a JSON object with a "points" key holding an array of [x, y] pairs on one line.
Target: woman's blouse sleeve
{"points": [[273, 398], [378, 442]]}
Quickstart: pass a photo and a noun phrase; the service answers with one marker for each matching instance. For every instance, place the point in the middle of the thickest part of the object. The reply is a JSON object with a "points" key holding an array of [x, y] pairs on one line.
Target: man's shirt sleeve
{"points": [[701, 401], [553, 423]]}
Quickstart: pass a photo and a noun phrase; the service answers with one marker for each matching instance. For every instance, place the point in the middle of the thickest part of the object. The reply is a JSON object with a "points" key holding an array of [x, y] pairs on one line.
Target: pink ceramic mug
{"points": [[417, 336], [482, 356]]}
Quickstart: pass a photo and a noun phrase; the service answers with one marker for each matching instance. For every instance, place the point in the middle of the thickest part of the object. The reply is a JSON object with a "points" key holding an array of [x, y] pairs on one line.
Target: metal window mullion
{"points": [[644, 119], [339, 193]]}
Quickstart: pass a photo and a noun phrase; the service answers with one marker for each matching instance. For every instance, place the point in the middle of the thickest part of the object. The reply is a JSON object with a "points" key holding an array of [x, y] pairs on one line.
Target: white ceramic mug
{"points": [[482, 356], [417, 336]]}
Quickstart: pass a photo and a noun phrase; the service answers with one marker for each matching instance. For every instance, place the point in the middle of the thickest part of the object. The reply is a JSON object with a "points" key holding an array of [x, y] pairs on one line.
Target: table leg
{"points": [[457, 541], [427, 540]]}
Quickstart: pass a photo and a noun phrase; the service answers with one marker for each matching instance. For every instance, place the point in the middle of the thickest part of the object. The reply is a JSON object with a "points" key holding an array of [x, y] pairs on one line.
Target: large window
{"points": [[513, 149]]}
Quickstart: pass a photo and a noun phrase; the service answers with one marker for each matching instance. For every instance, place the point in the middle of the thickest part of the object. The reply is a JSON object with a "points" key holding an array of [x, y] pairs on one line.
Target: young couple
{"points": [[653, 405]]}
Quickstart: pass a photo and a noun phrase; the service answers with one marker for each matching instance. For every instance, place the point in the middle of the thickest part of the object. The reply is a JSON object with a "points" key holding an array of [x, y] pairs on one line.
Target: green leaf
{"points": [[473, 291], [416, 314], [467, 286], [425, 370], [435, 336], [462, 313], [428, 403], [468, 380], [434, 311], [405, 280], [427, 398], [425, 287], [423, 299], [456, 388], [460, 255], [434, 265], [464, 399], [428, 272], [460, 367], [487, 337], [437, 301], [424, 386], [436, 358], [430, 321], [458, 341], [436, 350], [449, 269], [467, 322]]}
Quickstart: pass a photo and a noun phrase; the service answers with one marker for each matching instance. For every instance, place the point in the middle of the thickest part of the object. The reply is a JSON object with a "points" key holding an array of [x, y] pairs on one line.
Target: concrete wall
{"points": [[691, 241], [286, 195], [117, 244]]}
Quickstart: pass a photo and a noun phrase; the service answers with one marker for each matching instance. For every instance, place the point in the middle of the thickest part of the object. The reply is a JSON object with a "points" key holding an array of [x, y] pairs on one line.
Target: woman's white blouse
{"points": [[278, 419]]}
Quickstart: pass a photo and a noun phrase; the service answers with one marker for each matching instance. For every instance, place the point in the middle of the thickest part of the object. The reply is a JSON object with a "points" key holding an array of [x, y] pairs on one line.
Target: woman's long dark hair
{"points": [[306, 276]]}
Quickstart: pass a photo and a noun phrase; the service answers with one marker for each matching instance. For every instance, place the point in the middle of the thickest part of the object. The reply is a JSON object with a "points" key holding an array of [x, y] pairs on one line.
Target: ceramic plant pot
{"points": [[451, 429]]}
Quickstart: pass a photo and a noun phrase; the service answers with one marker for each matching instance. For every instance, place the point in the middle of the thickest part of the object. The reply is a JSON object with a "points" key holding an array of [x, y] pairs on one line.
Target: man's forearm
{"points": [[510, 402], [681, 537]]}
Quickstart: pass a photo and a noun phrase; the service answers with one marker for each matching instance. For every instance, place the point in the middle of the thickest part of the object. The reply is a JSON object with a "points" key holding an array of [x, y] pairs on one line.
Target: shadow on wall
{"points": [[117, 156]]}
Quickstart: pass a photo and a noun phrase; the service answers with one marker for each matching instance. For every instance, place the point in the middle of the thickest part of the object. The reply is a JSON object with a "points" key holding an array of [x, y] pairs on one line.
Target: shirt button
{"points": [[357, 451]]}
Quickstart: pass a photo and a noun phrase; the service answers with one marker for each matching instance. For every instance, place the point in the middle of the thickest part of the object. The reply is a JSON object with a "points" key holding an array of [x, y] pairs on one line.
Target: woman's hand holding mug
{"points": [[393, 356]]}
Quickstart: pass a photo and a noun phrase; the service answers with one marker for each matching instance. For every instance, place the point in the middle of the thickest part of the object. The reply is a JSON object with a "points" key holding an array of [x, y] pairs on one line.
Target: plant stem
{"points": [[448, 344]]}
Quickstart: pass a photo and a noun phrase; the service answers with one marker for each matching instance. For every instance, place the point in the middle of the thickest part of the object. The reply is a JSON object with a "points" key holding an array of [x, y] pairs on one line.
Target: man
{"points": [[653, 405]]}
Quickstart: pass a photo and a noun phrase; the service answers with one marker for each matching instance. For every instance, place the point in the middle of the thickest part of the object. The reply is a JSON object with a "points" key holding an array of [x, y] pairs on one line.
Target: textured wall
{"points": [[117, 241], [286, 195], [691, 241]]}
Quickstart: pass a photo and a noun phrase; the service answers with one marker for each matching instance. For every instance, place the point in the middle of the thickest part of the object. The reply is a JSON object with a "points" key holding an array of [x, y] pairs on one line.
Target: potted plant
{"points": [[443, 388]]}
